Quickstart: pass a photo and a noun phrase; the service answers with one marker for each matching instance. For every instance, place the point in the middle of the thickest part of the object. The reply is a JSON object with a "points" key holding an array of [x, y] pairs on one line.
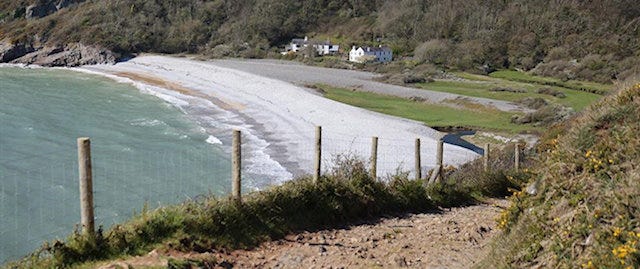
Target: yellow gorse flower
{"points": [[616, 231], [623, 251], [588, 265]]}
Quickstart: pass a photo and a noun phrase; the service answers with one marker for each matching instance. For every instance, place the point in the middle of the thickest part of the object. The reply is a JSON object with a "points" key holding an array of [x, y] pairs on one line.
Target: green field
{"points": [[470, 115], [434, 115], [570, 84], [480, 86]]}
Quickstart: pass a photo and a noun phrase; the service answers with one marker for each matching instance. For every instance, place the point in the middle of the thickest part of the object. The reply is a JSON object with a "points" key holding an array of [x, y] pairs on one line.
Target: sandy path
{"points": [[455, 238], [303, 74], [278, 118]]}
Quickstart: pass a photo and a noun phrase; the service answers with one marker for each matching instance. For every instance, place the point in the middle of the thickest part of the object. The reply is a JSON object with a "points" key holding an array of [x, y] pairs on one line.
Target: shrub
{"points": [[507, 89], [552, 92], [433, 51], [544, 116], [411, 79], [500, 177], [533, 102]]}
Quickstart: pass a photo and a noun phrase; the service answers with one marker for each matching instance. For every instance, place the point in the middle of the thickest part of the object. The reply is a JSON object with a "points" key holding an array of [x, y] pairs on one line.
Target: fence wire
{"points": [[42, 204]]}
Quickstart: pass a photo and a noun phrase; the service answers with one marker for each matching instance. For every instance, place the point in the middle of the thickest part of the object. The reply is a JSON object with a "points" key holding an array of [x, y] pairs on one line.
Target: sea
{"points": [[146, 152]]}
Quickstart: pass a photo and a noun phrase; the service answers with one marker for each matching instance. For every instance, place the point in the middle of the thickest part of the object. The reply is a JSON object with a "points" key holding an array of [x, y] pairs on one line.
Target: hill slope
{"points": [[587, 202], [571, 39]]}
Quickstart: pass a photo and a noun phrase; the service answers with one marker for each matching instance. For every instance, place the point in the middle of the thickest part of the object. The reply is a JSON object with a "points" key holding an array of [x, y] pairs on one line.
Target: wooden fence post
{"points": [[318, 161], [439, 159], [374, 158], [418, 162], [236, 167], [517, 156], [87, 219], [487, 157]]}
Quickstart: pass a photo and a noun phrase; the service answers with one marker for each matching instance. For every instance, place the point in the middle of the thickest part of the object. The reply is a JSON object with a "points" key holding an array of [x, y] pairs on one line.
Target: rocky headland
{"points": [[40, 52], [70, 55]]}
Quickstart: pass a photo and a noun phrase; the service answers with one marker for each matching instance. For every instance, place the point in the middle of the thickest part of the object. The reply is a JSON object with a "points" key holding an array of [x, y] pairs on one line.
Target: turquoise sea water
{"points": [[144, 151]]}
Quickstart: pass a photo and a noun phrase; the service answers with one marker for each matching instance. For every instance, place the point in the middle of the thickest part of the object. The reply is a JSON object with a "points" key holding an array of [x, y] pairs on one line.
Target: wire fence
{"points": [[43, 203]]}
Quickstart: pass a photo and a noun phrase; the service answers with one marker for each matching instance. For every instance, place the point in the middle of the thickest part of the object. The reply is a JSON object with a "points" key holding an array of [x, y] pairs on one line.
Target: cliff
{"points": [[74, 54]]}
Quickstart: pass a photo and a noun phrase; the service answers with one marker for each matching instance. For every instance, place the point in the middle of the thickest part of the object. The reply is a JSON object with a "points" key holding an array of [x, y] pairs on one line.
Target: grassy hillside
{"points": [[541, 36], [586, 206]]}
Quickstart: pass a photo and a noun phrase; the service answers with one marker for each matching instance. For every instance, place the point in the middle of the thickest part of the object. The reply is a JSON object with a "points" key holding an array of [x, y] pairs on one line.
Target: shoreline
{"points": [[278, 118]]}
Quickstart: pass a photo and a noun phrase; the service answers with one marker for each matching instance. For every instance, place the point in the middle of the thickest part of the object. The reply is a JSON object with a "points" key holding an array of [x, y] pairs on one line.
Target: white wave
{"points": [[213, 140], [171, 97], [146, 122], [24, 66]]}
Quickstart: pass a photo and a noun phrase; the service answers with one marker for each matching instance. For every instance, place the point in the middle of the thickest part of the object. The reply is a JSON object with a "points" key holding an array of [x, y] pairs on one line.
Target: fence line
{"points": [[164, 177]]}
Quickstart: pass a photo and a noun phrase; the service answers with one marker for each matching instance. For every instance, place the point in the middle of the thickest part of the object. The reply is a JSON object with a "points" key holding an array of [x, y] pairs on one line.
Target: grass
{"points": [[585, 213], [585, 86], [433, 115], [345, 195], [480, 86]]}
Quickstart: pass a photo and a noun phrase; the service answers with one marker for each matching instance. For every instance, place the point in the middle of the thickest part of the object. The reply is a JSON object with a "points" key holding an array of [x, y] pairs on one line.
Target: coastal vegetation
{"points": [[587, 40], [581, 208]]}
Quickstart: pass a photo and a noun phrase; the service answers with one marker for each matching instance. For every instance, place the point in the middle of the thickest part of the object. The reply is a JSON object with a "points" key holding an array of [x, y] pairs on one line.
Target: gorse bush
{"points": [[501, 175], [586, 208]]}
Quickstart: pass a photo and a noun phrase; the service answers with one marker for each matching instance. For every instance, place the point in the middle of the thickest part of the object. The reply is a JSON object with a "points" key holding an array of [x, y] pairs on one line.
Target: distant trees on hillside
{"points": [[571, 39]]}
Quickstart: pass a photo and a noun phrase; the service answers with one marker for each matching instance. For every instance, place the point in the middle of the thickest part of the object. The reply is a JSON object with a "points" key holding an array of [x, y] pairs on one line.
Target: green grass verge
{"points": [[434, 115], [480, 86], [592, 87]]}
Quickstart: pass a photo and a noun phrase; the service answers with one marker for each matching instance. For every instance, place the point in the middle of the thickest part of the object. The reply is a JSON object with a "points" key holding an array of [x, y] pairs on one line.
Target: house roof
{"points": [[374, 49]]}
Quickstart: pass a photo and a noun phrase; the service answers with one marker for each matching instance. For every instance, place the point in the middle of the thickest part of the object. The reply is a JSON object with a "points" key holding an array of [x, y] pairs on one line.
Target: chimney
{"points": [[306, 38]]}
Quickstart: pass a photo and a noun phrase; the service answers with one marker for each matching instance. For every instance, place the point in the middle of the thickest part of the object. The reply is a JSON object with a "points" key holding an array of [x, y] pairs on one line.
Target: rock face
{"points": [[69, 55], [10, 52], [65, 3], [38, 11], [44, 8]]}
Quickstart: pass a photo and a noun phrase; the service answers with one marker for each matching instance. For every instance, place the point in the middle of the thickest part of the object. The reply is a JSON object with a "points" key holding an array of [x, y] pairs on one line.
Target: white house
{"points": [[379, 54], [322, 48]]}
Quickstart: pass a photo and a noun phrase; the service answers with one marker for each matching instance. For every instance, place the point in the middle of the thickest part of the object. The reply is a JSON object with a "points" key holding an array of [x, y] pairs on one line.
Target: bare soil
{"points": [[452, 238]]}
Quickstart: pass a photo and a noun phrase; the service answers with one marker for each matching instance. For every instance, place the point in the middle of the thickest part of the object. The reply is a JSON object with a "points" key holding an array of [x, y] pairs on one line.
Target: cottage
{"points": [[379, 54], [321, 47]]}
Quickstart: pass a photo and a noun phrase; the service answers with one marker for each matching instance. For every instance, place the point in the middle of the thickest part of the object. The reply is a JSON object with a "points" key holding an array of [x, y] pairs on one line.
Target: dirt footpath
{"points": [[455, 238]]}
